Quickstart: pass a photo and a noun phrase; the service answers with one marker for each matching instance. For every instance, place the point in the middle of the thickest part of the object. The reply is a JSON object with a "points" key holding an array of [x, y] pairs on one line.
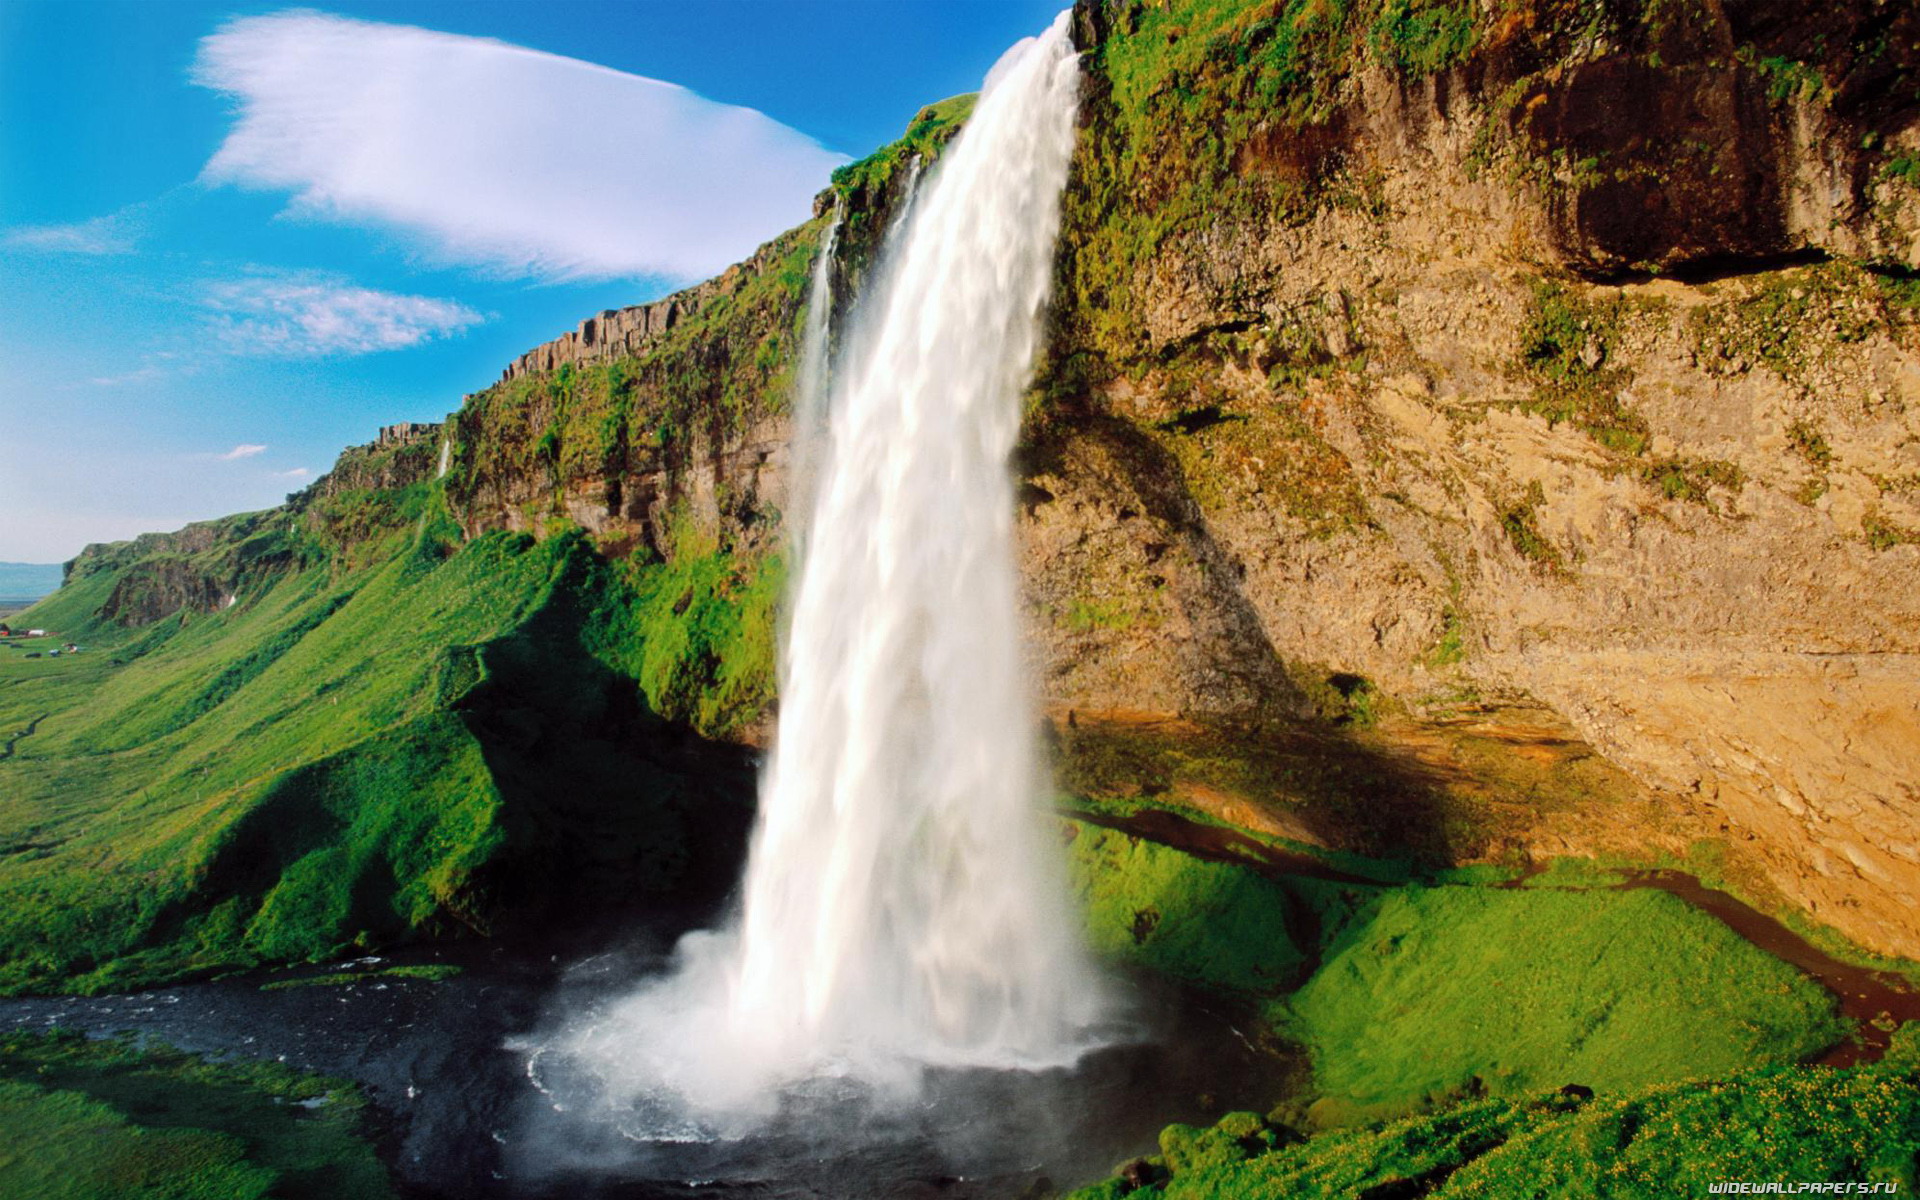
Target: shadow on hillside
{"points": [[616, 819]]}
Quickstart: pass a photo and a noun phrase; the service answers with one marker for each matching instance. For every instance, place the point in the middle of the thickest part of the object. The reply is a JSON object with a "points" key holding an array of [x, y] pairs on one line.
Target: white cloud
{"points": [[102, 235], [498, 156], [243, 450], [296, 473], [138, 375], [310, 314]]}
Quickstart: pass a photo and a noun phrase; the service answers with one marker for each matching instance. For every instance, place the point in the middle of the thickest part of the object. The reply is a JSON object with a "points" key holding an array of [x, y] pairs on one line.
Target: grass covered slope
{"points": [[1439, 1021], [1411, 996], [382, 738], [1772, 1124], [89, 1120], [1445, 991]]}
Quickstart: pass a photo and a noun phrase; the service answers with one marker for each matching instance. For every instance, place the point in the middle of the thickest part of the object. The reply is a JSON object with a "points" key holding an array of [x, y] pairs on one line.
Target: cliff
{"points": [[1514, 412], [1464, 434]]}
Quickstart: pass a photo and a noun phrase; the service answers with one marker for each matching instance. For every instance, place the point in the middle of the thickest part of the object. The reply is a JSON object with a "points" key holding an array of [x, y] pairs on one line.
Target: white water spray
{"points": [[903, 906]]}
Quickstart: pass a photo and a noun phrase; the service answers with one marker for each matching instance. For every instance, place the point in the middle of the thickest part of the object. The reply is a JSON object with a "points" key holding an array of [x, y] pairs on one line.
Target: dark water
{"points": [[461, 1117]]}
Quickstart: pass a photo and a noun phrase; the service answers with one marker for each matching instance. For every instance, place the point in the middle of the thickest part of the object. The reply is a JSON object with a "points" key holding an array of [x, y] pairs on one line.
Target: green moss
{"points": [[932, 128], [1452, 646], [428, 973], [107, 1119], [708, 623], [1789, 321], [64, 1145], [1520, 521], [1693, 480], [1435, 992], [1421, 37], [1787, 78], [1568, 347], [1793, 1124], [1086, 615], [1806, 440], [1884, 534], [1206, 923], [1234, 1138]]}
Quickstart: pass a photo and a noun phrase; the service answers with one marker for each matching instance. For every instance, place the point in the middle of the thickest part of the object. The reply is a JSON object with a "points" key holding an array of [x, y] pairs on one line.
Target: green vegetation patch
{"points": [[1410, 997], [1201, 922], [357, 752], [1800, 1124], [425, 973], [108, 1119], [708, 619], [1791, 321], [1222, 111], [1444, 991], [1520, 520], [1567, 350]]}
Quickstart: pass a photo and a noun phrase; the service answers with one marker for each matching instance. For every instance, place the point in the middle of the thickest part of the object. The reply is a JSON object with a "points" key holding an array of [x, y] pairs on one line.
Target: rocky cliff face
{"points": [[1580, 368]]}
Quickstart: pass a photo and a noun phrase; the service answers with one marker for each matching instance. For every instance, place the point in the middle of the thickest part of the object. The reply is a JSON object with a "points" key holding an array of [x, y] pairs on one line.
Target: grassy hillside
{"points": [[1789, 1124], [1403, 997], [90, 1120], [1437, 1025], [375, 739]]}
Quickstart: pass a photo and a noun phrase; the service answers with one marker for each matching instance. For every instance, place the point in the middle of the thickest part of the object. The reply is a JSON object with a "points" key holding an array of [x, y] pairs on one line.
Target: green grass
{"points": [[1205, 923], [1567, 351], [1793, 1124], [1404, 997], [92, 1119], [1439, 1022], [399, 738], [427, 973], [1435, 992]]}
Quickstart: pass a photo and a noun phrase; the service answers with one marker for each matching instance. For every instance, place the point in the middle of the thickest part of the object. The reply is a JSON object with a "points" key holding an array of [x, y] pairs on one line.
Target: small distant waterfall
{"points": [[811, 383], [446, 458], [909, 192], [903, 904]]}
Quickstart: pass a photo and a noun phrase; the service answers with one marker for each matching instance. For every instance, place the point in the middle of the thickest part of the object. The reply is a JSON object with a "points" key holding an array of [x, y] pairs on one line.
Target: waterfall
{"points": [[811, 385], [899, 899], [903, 904], [446, 458]]}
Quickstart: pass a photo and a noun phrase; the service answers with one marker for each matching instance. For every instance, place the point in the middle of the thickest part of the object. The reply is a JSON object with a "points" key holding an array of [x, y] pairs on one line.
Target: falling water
{"points": [[808, 437], [903, 907], [899, 902]]}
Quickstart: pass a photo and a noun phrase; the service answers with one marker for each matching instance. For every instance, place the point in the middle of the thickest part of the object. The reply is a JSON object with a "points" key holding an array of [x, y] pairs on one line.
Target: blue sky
{"points": [[237, 237]]}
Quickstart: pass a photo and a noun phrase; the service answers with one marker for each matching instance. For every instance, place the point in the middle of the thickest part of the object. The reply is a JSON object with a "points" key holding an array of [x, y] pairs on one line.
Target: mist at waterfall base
{"points": [[903, 978]]}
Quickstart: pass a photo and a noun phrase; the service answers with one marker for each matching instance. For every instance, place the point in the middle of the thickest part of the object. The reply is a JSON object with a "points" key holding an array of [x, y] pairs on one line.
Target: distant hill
{"points": [[28, 581]]}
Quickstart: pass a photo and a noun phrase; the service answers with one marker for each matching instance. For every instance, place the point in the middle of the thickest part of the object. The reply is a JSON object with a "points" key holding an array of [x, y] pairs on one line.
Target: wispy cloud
{"points": [[137, 375], [296, 473], [102, 235], [501, 157], [243, 450], [305, 315]]}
